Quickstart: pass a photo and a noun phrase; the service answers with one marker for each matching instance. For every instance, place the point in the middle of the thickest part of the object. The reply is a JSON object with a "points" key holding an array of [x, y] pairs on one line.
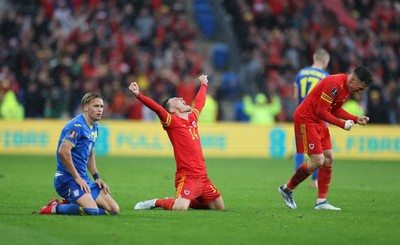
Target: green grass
{"points": [[367, 191]]}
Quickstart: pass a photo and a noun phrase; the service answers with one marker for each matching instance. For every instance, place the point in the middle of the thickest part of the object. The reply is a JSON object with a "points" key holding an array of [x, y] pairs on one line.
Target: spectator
{"points": [[10, 108], [354, 105], [376, 104], [94, 43], [209, 114], [262, 111]]}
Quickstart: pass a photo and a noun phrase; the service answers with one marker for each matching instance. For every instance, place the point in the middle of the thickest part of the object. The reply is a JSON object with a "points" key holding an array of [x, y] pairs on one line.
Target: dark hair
{"points": [[364, 74], [166, 105], [88, 97]]}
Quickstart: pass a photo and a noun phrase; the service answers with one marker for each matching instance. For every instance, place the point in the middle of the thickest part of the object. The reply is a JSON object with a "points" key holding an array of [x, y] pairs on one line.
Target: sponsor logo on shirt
{"points": [[186, 192], [311, 146], [334, 91], [72, 134]]}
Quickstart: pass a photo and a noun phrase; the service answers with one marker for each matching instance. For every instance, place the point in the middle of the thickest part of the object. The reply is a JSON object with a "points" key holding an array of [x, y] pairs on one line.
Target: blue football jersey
{"points": [[306, 79], [83, 138]]}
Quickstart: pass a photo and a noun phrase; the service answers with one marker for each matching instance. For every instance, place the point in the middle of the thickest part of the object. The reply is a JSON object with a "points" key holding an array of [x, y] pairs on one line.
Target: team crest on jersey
{"points": [[76, 193], [72, 134], [194, 124], [186, 192], [311, 146], [91, 135], [334, 91]]}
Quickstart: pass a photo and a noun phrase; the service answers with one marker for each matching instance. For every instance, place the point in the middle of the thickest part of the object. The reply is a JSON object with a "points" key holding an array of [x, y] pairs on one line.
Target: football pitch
{"points": [[367, 191]]}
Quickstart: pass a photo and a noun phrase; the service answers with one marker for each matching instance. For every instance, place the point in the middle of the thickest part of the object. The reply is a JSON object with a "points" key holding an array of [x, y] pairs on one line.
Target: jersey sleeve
{"points": [[329, 92], [341, 113], [164, 116], [200, 100], [73, 132]]}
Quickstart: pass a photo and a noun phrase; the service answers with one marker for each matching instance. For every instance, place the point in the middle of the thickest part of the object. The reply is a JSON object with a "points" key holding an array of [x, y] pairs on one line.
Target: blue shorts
{"points": [[68, 189]]}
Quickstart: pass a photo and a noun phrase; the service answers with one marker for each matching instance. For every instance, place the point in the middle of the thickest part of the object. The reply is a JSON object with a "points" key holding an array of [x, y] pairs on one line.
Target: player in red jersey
{"points": [[323, 104], [193, 187]]}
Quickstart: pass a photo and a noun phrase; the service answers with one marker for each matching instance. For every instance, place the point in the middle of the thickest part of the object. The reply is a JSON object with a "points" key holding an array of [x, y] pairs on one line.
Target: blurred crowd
{"points": [[277, 38], [53, 55]]}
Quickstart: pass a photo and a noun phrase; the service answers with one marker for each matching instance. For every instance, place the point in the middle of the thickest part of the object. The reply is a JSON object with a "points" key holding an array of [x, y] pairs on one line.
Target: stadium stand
{"points": [[54, 51]]}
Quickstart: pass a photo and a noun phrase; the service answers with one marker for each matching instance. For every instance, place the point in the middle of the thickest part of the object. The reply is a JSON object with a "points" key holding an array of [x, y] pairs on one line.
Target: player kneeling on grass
{"points": [[193, 187], [75, 154], [323, 104]]}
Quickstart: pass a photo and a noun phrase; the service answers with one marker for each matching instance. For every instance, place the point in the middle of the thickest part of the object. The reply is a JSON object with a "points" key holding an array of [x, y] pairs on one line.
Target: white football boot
{"points": [[149, 204], [326, 206], [287, 196]]}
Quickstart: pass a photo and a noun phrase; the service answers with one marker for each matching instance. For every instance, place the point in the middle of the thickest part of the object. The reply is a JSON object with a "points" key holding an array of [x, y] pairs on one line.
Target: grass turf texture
{"points": [[367, 191]]}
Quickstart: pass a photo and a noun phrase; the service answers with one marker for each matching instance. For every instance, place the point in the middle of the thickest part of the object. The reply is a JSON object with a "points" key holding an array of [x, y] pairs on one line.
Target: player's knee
{"points": [[180, 206], [90, 211], [115, 209], [328, 161], [221, 205], [318, 161], [321, 161], [217, 204]]}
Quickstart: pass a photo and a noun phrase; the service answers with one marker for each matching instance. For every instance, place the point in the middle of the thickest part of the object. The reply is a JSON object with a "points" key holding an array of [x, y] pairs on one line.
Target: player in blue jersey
{"points": [[75, 154], [305, 81]]}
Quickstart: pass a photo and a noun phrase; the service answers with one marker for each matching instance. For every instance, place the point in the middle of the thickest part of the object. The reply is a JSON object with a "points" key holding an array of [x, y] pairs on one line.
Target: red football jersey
{"points": [[183, 134], [325, 101]]}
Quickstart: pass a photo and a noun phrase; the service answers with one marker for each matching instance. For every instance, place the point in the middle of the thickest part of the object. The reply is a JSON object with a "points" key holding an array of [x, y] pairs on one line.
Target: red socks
{"points": [[299, 176], [324, 179], [166, 203]]}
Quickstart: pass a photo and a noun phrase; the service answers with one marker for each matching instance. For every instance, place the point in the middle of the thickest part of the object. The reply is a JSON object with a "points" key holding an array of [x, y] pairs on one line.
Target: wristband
{"points": [[96, 176]]}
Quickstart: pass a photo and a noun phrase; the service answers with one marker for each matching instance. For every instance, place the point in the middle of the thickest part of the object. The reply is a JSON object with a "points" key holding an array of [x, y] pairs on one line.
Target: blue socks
{"points": [[75, 209], [102, 211], [314, 176], [70, 209], [298, 160]]}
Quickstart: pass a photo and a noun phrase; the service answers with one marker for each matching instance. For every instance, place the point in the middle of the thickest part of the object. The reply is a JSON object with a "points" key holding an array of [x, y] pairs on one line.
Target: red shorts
{"points": [[196, 187], [312, 138]]}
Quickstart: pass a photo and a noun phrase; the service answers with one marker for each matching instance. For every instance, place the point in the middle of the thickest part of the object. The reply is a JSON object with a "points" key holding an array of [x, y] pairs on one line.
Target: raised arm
{"points": [[200, 99], [159, 110]]}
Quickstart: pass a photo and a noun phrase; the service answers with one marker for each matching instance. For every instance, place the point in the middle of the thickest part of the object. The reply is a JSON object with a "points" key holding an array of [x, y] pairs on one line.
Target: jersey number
{"points": [[193, 133], [312, 81]]}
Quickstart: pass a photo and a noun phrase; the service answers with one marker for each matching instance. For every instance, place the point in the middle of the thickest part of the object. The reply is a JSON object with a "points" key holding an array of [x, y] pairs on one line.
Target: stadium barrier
{"points": [[133, 138]]}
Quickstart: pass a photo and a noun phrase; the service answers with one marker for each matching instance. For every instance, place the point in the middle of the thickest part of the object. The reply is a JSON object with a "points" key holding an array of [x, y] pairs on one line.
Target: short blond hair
{"points": [[321, 55], [89, 97]]}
